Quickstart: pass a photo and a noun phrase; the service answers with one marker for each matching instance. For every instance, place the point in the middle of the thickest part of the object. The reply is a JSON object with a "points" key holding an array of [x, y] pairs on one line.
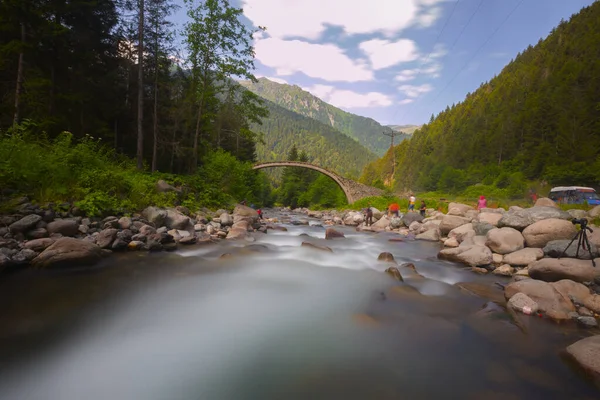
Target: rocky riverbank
{"points": [[57, 237]]}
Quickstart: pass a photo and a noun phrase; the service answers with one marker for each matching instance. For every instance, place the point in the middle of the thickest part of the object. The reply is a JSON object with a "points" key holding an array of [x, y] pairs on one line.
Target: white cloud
{"points": [[405, 102], [323, 61], [384, 53], [349, 99], [415, 91], [309, 18]]}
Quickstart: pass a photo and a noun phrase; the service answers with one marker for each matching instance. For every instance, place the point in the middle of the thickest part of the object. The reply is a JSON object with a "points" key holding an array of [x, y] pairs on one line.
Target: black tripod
{"points": [[583, 240]]}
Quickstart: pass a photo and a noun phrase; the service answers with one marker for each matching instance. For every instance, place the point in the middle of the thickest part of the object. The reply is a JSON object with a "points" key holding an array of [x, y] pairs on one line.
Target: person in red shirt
{"points": [[259, 212], [393, 209]]}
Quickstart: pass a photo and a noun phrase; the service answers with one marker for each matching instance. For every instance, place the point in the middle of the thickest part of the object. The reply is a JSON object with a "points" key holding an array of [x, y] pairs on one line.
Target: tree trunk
{"points": [[140, 116], [19, 88], [155, 144]]}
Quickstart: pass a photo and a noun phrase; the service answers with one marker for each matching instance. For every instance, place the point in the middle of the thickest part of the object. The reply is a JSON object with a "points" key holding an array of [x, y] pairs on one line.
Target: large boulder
{"points": [[475, 256], [541, 232], [504, 240], [106, 237], [383, 223], [431, 235], [178, 220], [395, 222], [586, 352], [155, 215], [241, 212], [24, 224], [594, 212], [164, 187], [572, 290], [545, 202], [549, 300], [331, 233], [521, 218], [489, 218], [462, 233], [458, 209], [411, 217], [38, 244], [556, 248], [354, 218], [482, 228], [66, 227], [69, 252], [429, 225], [450, 222], [523, 257], [552, 270]]}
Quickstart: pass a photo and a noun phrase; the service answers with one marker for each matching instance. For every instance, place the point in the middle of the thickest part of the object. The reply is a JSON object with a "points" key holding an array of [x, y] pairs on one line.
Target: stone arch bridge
{"points": [[353, 190]]}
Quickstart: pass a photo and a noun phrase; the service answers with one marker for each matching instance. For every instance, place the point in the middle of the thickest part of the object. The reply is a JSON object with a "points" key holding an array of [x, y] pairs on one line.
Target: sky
{"points": [[396, 61]]}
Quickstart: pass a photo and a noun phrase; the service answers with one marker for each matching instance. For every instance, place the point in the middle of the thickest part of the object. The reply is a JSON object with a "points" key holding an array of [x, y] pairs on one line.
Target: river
{"points": [[274, 320]]}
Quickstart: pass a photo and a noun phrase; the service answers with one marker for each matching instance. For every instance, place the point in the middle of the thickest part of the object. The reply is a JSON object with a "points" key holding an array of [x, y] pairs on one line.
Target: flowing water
{"points": [[275, 320]]}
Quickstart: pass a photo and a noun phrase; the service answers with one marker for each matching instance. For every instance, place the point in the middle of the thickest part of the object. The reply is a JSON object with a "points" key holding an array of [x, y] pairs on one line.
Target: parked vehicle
{"points": [[574, 195]]}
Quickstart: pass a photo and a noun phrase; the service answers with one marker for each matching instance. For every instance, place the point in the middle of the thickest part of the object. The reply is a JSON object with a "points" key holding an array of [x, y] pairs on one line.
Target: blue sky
{"points": [[397, 61]]}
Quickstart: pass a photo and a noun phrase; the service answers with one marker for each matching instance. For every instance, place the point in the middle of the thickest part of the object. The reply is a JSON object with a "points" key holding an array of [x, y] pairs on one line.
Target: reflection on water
{"points": [[274, 320]]}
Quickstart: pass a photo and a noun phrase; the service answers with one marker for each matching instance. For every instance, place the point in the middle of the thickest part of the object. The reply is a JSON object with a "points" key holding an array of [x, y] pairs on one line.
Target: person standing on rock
{"points": [[369, 215], [393, 209], [482, 203], [423, 208], [259, 212], [411, 202]]}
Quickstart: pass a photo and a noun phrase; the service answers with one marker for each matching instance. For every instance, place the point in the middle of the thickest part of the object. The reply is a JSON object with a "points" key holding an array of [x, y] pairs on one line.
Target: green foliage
{"points": [[99, 181], [537, 120]]}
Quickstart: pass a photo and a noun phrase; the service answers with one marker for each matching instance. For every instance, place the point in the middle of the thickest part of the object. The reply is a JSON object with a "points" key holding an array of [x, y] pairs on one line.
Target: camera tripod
{"points": [[583, 241]]}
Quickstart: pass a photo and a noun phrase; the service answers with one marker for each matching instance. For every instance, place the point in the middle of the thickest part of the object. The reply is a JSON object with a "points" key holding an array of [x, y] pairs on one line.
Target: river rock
{"points": [[523, 303], [411, 217], [586, 352], [177, 220], [65, 227], [545, 202], [24, 256], [450, 222], [545, 295], [458, 209], [316, 247], [425, 226], [540, 233], [38, 245], [556, 248], [475, 256], [24, 224], [380, 225], [521, 218], [504, 270], [524, 257], [431, 235], [579, 214], [241, 212], [226, 219], [462, 232], [69, 252], [593, 303], [572, 290], [415, 226], [552, 269], [106, 237], [354, 218], [386, 257], [395, 222], [135, 245], [394, 273], [482, 228], [490, 218], [237, 233], [155, 216], [504, 240], [125, 222], [451, 242], [38, 233]]}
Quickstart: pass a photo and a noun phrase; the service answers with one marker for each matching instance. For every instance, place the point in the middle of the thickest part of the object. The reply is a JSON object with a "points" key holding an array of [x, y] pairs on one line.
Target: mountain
{"points": [[408, 129], [539, 119], [366, 131], [324, 145]]}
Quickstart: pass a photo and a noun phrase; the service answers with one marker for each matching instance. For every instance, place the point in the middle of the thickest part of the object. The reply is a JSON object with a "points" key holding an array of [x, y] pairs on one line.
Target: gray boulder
{"points": [[24, 224], [69, 252]]}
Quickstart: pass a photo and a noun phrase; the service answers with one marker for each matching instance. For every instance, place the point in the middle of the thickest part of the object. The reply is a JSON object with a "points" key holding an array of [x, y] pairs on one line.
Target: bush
{"points": [[99, 181]]}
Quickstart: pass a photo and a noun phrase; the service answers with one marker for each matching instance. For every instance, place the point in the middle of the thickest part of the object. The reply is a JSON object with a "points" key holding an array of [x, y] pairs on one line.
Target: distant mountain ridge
{"points": [[408, 129], [365, 131]]}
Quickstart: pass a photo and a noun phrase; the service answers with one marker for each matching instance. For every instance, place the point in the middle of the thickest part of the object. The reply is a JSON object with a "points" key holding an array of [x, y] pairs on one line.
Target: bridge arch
{"points": [[338, 179]]}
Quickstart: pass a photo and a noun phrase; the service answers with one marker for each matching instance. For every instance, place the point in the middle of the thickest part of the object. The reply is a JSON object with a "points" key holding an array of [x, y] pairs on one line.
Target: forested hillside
{"points": [[539, 119], [366, 131], [326, 146], [105, 72]]}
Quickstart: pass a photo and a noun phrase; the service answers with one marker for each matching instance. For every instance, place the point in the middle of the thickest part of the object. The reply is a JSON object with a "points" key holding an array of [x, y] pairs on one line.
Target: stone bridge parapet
{"points": [[353, 190]]}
